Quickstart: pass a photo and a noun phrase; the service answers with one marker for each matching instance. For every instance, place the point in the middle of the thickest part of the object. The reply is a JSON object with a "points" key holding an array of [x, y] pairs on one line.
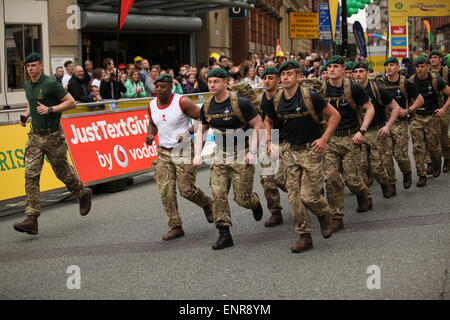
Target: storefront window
{"points": [[20, 40]]}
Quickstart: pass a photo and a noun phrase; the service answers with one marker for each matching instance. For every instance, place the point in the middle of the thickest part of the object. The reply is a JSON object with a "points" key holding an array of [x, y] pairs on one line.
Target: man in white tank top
{"points": [[169, 117]]}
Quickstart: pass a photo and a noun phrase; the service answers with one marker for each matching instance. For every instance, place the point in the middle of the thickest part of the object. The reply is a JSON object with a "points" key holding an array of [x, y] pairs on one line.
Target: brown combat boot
{"points": [[387, 191], [429, 169], [407, 180], [173, 233], [422, 181], [275, 219], [338, 224], [208, 210], [363, 203], [29, 225], [436, 170], [326, 225], [85, 202], [446, 166], [303, 244]]}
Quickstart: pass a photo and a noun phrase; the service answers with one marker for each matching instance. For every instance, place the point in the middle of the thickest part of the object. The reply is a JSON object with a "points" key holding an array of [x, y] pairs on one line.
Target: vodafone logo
{"points": [[121, 156]]}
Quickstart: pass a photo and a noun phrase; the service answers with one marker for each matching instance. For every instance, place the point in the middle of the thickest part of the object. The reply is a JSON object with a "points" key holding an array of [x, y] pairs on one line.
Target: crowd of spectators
{"points": [[136, 80]]}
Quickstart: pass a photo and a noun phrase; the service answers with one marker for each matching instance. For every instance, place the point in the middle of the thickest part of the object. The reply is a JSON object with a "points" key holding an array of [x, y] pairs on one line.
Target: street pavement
{"points": [[119, 254]]}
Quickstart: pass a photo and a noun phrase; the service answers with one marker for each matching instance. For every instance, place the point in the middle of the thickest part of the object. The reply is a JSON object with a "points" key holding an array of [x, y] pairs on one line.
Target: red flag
{"points": [[124, 9]]}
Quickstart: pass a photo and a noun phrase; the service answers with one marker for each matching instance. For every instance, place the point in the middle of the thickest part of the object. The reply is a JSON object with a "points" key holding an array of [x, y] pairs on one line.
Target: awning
{"points": [[152, 15]]}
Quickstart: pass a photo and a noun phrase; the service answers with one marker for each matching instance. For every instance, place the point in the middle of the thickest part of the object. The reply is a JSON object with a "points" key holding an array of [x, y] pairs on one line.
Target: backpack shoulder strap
{"points": [[434, 80], [235, 105], [206, 109], [376, 92], [412, 78], [276, 99], [445, 74], [259, 102], [309, 104], [403, 88], [348, 94]]}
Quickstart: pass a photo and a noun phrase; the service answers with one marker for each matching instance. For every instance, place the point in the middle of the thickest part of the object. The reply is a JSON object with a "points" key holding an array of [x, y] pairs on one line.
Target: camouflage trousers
{"points": [[342, 157], [167, 175], [400, 143], [272, 180], [54, 146], [444, 123], [223, 175], [304, 181], [425, 134], [377, 153]]}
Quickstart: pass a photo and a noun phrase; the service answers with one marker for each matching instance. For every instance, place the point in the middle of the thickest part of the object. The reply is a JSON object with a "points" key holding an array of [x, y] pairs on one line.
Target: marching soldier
{"points": [[425, 127], [232, 162], [341, 155], [302, 150], [349, 70], [47, 99], [402, 90], [271, 182], [169, 117], [376, 139]]}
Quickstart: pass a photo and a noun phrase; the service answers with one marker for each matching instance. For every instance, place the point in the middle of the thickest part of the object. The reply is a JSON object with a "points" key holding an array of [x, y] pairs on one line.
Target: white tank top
{"points": [[170, 121]]}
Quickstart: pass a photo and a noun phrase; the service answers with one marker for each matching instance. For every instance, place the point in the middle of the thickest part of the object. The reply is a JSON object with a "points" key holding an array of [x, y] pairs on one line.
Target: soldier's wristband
{"points": [[363, 132]]}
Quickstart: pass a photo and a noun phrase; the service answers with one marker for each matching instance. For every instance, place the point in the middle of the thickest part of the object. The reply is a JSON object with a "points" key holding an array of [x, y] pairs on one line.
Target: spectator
{"points": [[123, 78], [191, 85], [108, 64], [112, 89], [235, 73], [59, 74], [202, 75], [250, 76], [150, 81], [145, 71], [410, 69], [88, 69], [255, 60], [77, 88], [224, 63], [176, 88], [202, 86], [162, 72], [122, 69], [130, 67], [259, 71], [97, 77], [136, 60], [134, 86], [315, 70], [68, 65], [94, 93]]}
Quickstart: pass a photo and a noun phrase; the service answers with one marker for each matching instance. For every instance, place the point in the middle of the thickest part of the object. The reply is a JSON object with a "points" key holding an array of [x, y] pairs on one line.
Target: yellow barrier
{"points": [[12, 168]]}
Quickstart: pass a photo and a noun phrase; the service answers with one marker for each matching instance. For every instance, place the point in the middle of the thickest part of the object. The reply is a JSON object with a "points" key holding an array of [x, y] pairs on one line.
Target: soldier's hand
{"points": [[197, 161], [183, 137], [439, 113], [384, 132], [319, 145], [403, 113], [273, 150], [41, 109], [250, 158], [358, 138], [23, 120], [149, 140]]}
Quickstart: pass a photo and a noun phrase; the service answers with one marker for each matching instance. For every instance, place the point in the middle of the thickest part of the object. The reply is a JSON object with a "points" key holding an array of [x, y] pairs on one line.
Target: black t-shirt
{"points": [[425, 88], [299, 130], [267, 105], [349, 119], [248, 111], [397, 93], [380, 115]]}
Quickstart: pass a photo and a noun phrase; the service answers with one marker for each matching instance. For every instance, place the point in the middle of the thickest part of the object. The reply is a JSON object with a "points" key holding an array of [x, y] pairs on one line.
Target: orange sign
{"points": [[107, 145]]}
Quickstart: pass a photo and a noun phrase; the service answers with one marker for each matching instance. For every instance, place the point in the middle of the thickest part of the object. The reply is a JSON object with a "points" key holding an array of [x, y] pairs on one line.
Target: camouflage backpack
{"points": [[434, 81], [444, 76], [381, 80], [244, 89]]}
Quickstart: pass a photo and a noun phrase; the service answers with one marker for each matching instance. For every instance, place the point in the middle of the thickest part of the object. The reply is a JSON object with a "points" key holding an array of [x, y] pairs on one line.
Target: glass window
{"points": [[20, 41]]}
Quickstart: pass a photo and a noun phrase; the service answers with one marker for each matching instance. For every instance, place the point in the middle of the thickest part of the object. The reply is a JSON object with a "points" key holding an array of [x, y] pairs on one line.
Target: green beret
{"points": [[435, 53], [32, 57], [218, 73], [336, 60], [391, 60], [323, 68], [269, 70], [291, 64], [447, 60], [359, 65], [419, 60], [164, 78], [349, 65]]}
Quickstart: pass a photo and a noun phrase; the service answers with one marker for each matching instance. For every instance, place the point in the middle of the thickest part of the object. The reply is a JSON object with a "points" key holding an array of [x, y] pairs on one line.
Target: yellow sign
{"points": [[12, 168], [304, 25], [419, 8], [377, 63]]}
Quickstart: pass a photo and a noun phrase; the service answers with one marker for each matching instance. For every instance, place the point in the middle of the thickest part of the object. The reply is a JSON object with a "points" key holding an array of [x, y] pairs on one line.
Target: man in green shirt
{"points": [[47, 99]]}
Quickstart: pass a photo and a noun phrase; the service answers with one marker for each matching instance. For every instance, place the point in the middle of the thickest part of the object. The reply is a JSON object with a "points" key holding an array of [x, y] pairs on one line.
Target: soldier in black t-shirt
{"points": [[425, 127], [226, 113], [342, 153], [303, 144], [378, 144], [403, 91]]}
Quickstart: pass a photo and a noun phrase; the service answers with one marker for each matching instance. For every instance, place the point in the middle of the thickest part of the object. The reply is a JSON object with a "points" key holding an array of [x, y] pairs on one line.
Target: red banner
{"points": [[399, 53], [125, 7], [398, 30], [107, 145]]}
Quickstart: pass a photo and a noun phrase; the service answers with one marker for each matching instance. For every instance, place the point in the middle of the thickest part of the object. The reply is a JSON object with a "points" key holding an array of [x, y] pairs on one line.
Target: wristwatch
{"points": [[363, 132], [50, 110]]}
